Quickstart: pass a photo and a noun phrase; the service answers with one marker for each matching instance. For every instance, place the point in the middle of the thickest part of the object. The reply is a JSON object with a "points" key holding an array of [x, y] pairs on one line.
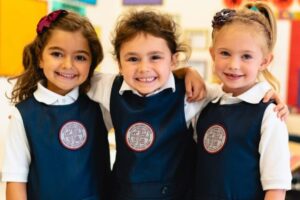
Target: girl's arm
{"points": [[16, 191], [194, 83], [274, 158], [16, 158], [101, 84], [275, 195], [281, 108]]}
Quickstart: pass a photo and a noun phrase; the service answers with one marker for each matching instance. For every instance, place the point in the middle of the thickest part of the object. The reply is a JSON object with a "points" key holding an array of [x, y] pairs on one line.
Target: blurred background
{"points": [[18, 21]]}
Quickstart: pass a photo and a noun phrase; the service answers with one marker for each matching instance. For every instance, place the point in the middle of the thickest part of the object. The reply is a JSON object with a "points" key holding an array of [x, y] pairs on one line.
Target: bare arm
{"points": [[16, 191], [281, 108], [194, 84], [275, 195]]}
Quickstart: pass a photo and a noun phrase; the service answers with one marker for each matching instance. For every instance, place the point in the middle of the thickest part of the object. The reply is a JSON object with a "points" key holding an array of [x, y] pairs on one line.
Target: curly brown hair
{"points": [[148, 22]]}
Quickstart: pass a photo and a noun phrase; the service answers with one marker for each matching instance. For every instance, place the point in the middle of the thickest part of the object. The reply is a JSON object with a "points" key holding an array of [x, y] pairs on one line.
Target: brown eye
{"points": [[56, 54], [132, 59], [224, 53], [81, 58], [246, 57], [155, 57]]}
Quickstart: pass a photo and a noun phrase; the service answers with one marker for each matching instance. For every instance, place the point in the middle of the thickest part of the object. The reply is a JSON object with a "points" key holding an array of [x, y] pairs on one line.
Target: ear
{"points": [[266, 61], [120, 68], [41, 63], [212, 53], [174, 59]]}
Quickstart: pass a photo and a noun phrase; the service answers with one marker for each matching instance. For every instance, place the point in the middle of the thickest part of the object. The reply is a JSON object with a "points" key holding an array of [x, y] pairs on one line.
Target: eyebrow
{"points": [[225, 49], [132, 53], [78, 51]]}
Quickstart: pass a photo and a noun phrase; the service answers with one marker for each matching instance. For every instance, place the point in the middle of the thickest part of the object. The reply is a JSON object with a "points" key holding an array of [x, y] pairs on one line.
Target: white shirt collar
{"points": [[254, 95], [42, 94], [169, 84]]}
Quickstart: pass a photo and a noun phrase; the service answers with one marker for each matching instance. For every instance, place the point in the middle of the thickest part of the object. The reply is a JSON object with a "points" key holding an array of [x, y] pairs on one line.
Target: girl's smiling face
{"points": [[238, 56], [66, 61], [146, 63]]}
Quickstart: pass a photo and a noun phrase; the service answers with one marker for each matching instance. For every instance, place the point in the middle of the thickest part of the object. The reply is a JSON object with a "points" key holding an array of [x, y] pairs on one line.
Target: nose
{"points": [[143, 66], [67, 62], [234, 63]]}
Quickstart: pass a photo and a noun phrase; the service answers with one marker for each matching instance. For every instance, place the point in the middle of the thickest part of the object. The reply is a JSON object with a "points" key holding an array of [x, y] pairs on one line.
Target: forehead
{"points": [[67, 39], [145, 42], [240, 35]]}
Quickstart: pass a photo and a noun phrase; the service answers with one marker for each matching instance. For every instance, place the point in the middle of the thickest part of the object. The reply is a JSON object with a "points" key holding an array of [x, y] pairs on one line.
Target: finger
{"points": [[268, 96], [282, 112], [282, 115], [191, 98], [189, 89], [279, 107], [200, 95], [197, 90]]}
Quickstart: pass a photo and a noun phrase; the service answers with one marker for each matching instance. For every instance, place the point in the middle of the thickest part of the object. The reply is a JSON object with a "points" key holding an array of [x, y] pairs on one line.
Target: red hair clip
{"points": [[47, 20]]}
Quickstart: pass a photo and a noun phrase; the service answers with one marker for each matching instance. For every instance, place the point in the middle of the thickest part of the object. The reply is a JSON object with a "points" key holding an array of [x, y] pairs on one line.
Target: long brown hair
{"points": [[27, 82]]}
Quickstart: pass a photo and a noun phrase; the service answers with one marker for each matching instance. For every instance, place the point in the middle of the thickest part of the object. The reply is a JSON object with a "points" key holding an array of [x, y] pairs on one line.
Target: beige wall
{"points": [[293, 124]]}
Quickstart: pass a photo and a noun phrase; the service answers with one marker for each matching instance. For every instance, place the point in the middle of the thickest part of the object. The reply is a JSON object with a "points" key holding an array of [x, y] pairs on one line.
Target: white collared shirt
{"points": [[273, 147], [102, 85], [169, 84], [48, 97], [17, 152], [253, 95]]}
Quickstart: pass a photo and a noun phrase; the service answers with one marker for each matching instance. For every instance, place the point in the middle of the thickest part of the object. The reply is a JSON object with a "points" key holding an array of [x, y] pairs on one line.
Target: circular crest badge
{"points": [[73, 135], [140, 136], [214, 139]]}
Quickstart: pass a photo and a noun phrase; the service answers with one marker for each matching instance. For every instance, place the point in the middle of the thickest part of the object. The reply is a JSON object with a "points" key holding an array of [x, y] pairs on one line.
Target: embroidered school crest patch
{"points": [[214, 139], [73, 135], [139, 136]]}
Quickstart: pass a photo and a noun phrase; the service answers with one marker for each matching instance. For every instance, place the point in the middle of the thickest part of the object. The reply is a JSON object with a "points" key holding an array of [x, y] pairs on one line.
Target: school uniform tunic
{"points": [[155, 149], [68, 149], [230, 151]]}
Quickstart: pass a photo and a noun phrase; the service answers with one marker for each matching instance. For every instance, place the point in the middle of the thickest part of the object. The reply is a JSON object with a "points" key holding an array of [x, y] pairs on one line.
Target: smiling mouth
{"points": [[233, 76], [146, 80], [66, 75]]}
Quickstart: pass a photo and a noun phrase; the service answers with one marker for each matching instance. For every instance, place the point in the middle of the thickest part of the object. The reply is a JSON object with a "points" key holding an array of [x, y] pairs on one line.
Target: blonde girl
{"points": [[242, 147]]}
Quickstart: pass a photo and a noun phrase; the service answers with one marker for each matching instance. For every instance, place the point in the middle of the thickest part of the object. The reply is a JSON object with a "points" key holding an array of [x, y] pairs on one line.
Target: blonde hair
{"points": [[256, 14]]}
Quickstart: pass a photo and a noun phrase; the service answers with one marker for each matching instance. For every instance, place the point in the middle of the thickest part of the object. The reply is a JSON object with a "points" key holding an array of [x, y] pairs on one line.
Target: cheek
{"points": [[255, 71], [222, 63], [126, 69], [217, 66], [85, 71], [125, 72]]}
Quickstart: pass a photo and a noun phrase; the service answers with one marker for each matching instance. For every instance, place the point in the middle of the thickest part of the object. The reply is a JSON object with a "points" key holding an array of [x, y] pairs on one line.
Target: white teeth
{"points": [[233, 75], [149, 79], [66, 75]]}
